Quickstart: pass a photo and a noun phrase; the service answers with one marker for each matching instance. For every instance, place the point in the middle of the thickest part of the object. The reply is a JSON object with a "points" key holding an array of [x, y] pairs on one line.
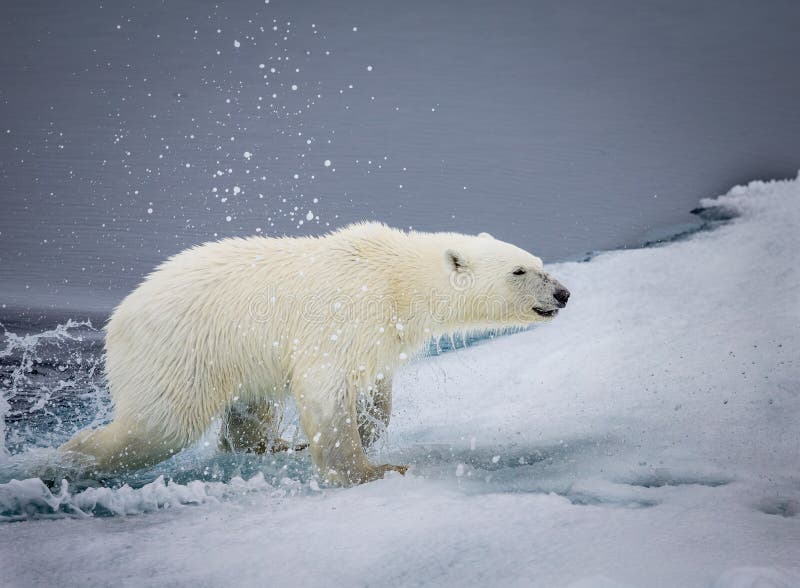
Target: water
{"points": [[564, 128]]}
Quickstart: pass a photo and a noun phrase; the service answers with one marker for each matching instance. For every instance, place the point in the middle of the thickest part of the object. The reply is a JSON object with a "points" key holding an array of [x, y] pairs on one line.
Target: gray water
{"points": [[564, 127]]}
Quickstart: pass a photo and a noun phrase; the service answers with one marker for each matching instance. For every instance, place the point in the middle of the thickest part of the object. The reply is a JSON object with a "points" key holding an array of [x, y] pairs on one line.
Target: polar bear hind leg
{"points": [[122, 446]]}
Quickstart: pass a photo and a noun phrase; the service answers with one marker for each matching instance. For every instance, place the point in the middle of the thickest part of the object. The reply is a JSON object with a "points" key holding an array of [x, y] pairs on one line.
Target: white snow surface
{"points": [[648, 437]]}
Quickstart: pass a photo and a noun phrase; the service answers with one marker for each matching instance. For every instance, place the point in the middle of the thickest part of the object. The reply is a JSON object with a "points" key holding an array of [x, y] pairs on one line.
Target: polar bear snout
{"points": [[561, 294], [549, 296]]}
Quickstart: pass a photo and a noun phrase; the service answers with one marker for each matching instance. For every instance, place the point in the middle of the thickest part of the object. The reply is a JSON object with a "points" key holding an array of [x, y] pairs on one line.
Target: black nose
{"points": [[561, 295]]}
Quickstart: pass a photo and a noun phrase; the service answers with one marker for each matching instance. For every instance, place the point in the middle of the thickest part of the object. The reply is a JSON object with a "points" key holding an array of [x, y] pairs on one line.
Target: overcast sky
{"points": [[132, 131]]}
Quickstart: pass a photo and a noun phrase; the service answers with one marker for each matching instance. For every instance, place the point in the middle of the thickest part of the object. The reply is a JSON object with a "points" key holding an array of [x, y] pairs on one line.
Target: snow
{"points": [[647, 437]]}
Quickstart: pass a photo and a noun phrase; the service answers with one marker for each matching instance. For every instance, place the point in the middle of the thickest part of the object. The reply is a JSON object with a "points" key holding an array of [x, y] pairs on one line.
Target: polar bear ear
{"points": [[485, 236], [455, 261]]}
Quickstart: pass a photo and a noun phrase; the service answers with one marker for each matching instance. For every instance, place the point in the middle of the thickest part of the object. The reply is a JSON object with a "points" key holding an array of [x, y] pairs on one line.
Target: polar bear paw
{"points": [[387, 467], [278, 446], [369, 474]]}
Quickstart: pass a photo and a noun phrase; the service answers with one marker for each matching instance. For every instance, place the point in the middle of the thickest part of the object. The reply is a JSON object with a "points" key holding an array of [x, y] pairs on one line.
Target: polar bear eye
{"points": [[519, 271]]}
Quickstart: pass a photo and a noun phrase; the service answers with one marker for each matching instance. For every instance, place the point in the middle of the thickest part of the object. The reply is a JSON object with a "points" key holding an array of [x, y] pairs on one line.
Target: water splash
{"points": [[32, 498], [51, 385]]}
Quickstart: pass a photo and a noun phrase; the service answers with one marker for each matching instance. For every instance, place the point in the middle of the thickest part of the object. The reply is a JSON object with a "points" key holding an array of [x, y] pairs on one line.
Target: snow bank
{"points": [[647, 437]]}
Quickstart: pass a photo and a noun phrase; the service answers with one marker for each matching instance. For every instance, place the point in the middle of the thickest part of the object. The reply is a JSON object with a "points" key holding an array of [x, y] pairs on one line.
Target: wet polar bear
{"points": [[226, 329]]}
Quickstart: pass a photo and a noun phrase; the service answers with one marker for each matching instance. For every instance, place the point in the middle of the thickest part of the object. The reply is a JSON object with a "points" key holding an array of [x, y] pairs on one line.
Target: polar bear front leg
{"points": [[374, 419], [328, 416]]}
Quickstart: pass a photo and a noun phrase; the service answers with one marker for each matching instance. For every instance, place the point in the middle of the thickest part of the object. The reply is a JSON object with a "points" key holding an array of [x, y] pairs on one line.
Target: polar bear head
{"points": [[496, 284]]}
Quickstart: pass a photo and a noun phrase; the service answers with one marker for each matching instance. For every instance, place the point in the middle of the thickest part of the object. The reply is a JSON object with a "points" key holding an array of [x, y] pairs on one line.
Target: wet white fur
{"points": [[250, 319]]}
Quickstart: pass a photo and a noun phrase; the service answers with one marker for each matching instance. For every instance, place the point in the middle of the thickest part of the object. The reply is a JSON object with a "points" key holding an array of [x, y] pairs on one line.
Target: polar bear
{"points": [[228, 328]]}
